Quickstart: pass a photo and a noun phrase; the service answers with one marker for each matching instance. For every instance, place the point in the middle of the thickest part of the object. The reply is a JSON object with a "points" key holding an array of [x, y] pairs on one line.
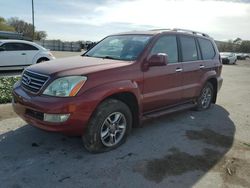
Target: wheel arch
{"points": [[131, 101], [126, 91], [42, 58], [214, 82]]}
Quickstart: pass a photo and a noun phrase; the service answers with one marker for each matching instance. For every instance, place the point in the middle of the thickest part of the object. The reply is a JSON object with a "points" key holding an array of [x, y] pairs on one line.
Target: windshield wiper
{"points": [[85, 55], [108, 57]]}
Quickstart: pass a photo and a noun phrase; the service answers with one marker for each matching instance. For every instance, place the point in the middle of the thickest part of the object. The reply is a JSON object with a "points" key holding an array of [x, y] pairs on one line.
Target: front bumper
{"points": [[32, 108]]}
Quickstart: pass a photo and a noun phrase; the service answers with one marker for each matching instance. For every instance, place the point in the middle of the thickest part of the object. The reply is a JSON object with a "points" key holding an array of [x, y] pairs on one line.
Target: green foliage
{"points": [[16, 25], [4, 26], [26, 28], [6, 85], [245, 47]]}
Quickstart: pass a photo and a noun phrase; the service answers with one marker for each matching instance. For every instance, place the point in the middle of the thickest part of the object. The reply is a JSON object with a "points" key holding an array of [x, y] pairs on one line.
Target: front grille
{"points": [[32, 81]]}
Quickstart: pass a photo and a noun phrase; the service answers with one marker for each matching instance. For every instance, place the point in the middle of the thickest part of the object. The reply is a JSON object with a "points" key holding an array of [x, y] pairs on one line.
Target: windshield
{"points": [[120, 47]]}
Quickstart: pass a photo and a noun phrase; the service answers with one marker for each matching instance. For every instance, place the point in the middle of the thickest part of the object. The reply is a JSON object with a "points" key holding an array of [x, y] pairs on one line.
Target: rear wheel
{"points": [[109, 126], [205, 99]]}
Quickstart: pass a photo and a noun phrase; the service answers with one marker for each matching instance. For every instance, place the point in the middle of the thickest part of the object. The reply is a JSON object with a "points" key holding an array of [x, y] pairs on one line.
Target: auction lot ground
{"points": [[187, 149]]}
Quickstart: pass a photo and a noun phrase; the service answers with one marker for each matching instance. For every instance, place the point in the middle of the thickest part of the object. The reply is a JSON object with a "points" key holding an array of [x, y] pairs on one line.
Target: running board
{"points": [[166, 111]]}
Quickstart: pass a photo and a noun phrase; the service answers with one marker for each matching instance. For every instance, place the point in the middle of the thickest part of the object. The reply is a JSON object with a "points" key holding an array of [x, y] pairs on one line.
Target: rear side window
{"points": [[28, 47], [207, 49], [189, 50], [167, 45]]}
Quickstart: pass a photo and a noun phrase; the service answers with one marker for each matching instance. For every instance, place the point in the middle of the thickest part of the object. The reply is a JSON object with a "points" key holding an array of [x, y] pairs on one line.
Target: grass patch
{"points": [[246, 144], [6, 85]]}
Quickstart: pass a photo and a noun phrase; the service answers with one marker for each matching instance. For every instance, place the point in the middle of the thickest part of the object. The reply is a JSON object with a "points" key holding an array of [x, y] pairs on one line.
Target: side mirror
{"points": [[2, 49], [160, 59]]}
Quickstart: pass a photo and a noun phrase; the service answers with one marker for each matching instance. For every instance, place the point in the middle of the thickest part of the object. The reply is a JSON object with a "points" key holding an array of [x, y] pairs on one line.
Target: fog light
{"points": [[55, 118]]}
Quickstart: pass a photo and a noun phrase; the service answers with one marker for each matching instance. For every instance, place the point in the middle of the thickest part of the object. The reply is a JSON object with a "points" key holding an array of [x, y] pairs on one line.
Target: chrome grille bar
{"points": [[33, 82]]}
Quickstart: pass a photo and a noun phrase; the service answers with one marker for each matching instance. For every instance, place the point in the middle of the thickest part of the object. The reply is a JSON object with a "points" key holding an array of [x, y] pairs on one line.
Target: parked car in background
{"points": [[122, 80], [246, 55], [240, 56], [18, 54], [228, 57]]}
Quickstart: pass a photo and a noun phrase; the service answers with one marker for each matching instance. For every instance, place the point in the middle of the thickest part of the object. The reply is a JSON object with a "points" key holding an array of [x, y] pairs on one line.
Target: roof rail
{"points": [[190, 31], [183, 30], [168, 29]]}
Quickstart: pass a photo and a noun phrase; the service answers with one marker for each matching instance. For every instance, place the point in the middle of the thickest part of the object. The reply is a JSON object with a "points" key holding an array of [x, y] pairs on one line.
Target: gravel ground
{"points": [[186, 149]]}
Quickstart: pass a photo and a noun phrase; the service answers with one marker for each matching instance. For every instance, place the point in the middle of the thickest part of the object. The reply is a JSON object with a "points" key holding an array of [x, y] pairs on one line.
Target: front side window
{"points": [[12, 46], [207, 49], [188, 47], [120, 47], [167, 45]]}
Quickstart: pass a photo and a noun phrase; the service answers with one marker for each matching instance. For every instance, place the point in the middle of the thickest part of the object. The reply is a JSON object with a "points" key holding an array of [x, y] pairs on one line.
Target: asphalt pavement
{"points": [[187, 149]]}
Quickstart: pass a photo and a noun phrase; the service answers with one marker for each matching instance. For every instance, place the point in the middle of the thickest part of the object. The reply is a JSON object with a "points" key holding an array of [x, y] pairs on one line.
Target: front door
{"points": [[162, 85], [13, 55]]}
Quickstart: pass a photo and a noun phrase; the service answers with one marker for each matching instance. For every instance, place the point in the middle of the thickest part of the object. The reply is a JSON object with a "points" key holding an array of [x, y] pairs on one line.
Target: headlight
{"points": [[65, 86]]}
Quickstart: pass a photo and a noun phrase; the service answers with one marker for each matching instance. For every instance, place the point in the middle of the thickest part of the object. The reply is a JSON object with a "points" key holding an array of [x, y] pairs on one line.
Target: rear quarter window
{"points": [[28, 47], [207, 48]]}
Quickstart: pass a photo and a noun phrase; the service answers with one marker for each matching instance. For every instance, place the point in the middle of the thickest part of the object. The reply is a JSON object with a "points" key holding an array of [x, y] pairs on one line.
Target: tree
{"points": [[26, 28], [4, 26], [21, 26], [245, 46], [40, 35]]}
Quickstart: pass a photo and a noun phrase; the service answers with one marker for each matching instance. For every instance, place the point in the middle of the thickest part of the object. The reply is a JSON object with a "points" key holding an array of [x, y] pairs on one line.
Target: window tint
{"points": [[207, 49], [167, 45], [18, 47], [28, 47], [188, 46], [12, 46]]}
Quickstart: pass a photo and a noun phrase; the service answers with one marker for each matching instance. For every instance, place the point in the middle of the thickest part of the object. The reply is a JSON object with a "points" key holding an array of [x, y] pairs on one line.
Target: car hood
{"points": [[77, 65]]}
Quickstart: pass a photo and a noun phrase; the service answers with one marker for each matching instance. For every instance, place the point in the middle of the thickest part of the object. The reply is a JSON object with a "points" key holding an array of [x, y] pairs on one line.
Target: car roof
{"points": [[159, 31], [22, 41], [11, 40]]}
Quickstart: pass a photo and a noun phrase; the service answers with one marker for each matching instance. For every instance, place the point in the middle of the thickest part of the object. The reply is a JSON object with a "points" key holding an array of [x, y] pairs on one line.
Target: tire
{"points": [[205, 99], [42, 60], [103, 132]]}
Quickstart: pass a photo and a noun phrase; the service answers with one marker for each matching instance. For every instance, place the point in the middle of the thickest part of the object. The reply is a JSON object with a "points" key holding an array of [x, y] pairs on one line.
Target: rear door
{"points": [[30, 52], [13, 55], [193, 67], [162, 85]]}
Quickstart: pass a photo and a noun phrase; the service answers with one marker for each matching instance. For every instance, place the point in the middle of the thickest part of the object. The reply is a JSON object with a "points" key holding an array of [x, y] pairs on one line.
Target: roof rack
{"points": [[183, 30]]}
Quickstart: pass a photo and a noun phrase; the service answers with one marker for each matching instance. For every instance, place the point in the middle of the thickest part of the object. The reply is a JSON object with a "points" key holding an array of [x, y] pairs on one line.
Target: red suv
{"points": [[122, 80]]}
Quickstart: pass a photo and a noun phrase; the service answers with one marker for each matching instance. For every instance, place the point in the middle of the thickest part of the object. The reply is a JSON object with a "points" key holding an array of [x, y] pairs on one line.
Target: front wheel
{"points": [[205, 99], [108, 127]]}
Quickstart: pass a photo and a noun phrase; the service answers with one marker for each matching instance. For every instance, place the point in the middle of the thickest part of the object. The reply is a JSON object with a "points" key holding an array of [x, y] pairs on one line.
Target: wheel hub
{"points": [[113, 129]]}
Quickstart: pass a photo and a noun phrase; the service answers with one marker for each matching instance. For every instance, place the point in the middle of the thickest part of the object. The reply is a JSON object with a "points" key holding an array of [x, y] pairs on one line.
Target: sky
{"points": [[72, 20]]}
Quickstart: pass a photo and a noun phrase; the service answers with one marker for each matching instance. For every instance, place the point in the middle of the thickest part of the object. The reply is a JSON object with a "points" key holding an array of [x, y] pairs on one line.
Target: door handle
{"points": [[23, 53], [178, 70], [202, 66]]}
